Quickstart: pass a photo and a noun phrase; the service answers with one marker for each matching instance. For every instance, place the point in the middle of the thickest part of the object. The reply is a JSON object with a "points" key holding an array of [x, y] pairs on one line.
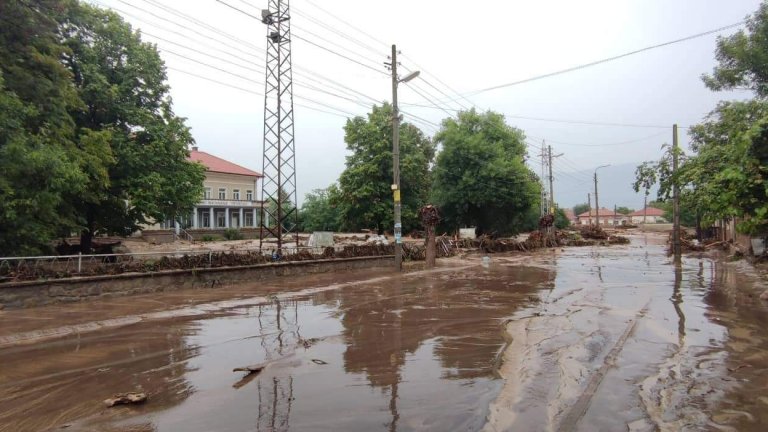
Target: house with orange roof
{"points": [[607, 217], [648, 215]]}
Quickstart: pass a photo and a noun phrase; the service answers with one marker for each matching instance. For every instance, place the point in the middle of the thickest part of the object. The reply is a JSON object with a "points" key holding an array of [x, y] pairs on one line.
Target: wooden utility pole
{"points": [[589, 206], [675, 197]]}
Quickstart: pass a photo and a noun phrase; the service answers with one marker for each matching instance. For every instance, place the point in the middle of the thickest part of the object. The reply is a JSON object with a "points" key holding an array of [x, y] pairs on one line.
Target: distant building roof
{"points": [[603, 212], [217, 164], [650, 211], [569, 214]]}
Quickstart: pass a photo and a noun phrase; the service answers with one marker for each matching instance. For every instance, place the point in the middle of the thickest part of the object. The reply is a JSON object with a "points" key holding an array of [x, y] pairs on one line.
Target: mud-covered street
{"points": [[594, 338]]}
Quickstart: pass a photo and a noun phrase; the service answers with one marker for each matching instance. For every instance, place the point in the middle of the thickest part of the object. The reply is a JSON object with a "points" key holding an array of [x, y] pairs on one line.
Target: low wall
{"points": [[37, 293]]}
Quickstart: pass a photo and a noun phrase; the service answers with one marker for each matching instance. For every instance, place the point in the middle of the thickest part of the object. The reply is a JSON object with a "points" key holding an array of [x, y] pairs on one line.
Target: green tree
{"points": [[39, 163], [318, 213], [561, 219], [624, 210], [137, 148], [480, 176], [743, 57], [580, 208], [88, 140], [365, 199]]}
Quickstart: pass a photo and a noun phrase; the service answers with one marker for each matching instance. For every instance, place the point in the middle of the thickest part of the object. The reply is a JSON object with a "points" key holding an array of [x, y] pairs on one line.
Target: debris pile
{"points": [[593, 232]]}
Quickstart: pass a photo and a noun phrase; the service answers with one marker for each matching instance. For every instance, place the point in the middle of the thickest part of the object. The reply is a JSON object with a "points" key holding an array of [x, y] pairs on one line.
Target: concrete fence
{"points": [[75, 289]]}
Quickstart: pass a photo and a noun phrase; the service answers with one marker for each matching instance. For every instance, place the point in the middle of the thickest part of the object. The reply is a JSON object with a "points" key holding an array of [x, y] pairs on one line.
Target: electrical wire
{"points": [[606, 60]]}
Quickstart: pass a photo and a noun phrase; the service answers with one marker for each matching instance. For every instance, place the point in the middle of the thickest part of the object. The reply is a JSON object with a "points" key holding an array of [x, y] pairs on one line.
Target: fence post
{"points": [[210, 264], [79, 262]]}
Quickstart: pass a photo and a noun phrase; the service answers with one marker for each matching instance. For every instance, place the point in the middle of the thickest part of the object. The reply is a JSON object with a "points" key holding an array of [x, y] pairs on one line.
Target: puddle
{"points": [[580, 339]]}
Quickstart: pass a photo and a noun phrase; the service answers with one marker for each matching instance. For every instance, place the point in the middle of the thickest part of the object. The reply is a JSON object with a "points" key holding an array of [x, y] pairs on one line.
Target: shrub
{"points": [[233, 234]]}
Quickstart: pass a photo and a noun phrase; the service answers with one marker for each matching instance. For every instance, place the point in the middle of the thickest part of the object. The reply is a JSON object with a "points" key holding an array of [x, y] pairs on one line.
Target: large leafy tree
{"points": [[88, 139], [365, 199], [480, 176], [40, 165], [318, 213], [137, 167], [580, 208], [724, 176]]}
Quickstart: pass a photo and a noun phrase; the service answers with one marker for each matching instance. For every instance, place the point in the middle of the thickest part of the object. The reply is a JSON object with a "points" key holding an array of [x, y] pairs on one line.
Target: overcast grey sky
{"points": [[467, 45]]}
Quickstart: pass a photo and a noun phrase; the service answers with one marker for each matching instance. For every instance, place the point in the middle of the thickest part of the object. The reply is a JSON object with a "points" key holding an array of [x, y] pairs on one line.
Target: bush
{"points": [[233, 234], [208, 238]]}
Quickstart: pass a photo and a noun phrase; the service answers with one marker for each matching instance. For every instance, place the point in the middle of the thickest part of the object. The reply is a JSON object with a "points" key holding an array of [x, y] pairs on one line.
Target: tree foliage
{"points": [[581, 208], [365, 198], [480, 176], [743, 57], [724, 176], [319, 213], [88, 140], [561, 219]]}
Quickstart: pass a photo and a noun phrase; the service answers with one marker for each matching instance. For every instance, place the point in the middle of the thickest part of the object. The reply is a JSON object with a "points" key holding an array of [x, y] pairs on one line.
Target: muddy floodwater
{"points": [[590, 339]]}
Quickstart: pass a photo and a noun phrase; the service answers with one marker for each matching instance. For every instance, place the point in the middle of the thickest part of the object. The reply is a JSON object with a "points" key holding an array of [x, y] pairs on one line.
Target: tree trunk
{"points": [[86, 236]]}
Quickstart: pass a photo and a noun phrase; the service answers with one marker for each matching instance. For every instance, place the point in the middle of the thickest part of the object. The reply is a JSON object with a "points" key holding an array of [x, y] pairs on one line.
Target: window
{"points": [[236, 194], [222, 193], [207, 193], [249, 195], [206, 219], [220, 220], [249, 218]]}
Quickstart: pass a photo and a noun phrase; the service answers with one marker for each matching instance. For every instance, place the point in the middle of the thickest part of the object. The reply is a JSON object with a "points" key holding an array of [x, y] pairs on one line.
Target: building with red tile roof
{"points": [[648, 215], [229, 199], [216, 164], [607, 217]]}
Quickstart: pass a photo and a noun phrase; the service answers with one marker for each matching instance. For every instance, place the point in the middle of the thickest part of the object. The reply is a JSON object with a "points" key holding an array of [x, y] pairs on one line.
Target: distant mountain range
{"points": [[614, 187]]}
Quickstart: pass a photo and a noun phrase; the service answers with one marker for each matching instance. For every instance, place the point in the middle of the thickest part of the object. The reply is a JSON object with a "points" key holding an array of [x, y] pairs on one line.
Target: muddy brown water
{"points": [[614, 338]]}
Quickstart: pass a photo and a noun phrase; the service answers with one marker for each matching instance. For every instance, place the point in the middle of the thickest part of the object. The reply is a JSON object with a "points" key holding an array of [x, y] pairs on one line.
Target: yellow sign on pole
{"points": [[397, 195]]}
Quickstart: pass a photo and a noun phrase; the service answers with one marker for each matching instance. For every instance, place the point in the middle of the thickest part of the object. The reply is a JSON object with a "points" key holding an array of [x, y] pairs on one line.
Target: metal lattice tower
{"points": [[278, 187]]}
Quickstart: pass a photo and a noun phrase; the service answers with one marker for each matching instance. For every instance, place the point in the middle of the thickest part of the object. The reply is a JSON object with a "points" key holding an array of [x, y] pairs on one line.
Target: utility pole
{"points": [[396, 164], [543, 206], [645, 208], [675, 197], [589, 206], [398, 231], [597, 206], [551, 179]]}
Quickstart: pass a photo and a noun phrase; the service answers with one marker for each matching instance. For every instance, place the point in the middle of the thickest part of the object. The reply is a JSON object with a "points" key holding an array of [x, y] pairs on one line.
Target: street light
{"points": [[597, 206], [396, 157]]}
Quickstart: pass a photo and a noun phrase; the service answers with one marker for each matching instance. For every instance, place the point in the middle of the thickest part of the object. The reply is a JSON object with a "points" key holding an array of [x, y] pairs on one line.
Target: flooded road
{"points": [[603, 338]]}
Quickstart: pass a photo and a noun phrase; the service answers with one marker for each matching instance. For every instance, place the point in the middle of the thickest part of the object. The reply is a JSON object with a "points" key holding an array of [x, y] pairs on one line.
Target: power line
{"points": [[339, 54], [239, 10], [222, 83], [606, 60], [608, 144], [339, 87], [347, 23]]}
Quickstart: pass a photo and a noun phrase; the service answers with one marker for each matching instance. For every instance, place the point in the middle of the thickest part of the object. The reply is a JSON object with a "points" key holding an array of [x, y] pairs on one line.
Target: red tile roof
{"points": [[569, 214], [603, 212], [217, 164], [652, 211]]}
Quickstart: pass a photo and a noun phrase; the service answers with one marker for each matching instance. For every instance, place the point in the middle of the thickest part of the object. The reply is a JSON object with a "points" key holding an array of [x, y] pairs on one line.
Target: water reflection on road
{"points": [[582, 339]]}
